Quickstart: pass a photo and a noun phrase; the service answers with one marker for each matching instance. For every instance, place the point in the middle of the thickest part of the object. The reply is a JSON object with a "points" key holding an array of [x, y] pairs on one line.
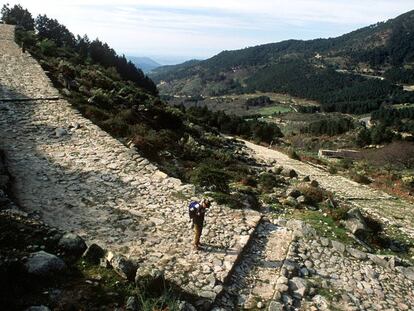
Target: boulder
{"points": [[321, 302], [298, 286], [314, 183], [60, 132], [185, 306], [150, 278], [301, 199], [306, 179], [338, 246], [94, 254], [72, 244], [277, 169], [408, 273], [378, 260], [44, 264], [356, 253], [293, 193], [300, 228], [124, 267], [288, 172], [356, 223], [275, 306]]}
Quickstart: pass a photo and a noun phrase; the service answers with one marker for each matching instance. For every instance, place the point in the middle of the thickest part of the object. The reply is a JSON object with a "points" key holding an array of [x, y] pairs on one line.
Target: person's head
{"points": [[205, 203]]}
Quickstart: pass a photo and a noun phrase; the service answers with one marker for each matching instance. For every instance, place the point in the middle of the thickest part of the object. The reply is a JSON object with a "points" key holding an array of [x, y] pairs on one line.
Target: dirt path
{"points": [[388, 209]]}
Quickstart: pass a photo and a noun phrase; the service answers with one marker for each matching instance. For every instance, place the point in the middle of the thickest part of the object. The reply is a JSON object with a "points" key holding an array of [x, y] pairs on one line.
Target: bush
{"points": [[249, 181], [267, 182], [94, 113], [332, 170], [47, 47], [313, 195], [292, 154], [101, 99], [231, 200], [117, 126], [339, 213], [359, 178], [209, 176]]}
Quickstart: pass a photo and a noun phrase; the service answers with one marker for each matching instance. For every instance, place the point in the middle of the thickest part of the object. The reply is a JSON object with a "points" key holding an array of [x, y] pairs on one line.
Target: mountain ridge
{"points": [[374, 49], [146, 64]]}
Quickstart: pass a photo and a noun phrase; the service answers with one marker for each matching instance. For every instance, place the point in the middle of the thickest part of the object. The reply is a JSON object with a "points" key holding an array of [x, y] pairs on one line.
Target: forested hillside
{"points": [[312, 69]]}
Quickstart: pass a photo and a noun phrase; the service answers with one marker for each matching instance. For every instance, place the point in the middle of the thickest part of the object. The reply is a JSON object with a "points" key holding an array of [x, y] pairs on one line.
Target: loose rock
{"points": [[44, 264]]}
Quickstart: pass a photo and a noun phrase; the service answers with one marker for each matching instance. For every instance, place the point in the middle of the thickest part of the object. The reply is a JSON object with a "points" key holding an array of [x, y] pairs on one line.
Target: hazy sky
{"points": [[183, 29]]}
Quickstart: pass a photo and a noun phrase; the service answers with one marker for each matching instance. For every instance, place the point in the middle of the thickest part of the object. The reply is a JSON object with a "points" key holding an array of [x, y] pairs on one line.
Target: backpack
{"points": [[192, 209]]}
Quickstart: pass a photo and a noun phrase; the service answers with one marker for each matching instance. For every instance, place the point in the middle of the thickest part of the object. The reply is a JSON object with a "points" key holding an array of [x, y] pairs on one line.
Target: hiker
{"points": [[197, 210]]}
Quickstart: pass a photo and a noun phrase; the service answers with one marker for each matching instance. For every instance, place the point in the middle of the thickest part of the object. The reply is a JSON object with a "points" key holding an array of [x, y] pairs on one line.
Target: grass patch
{"points": [[325, 225], [110, 286], [272, 110]]}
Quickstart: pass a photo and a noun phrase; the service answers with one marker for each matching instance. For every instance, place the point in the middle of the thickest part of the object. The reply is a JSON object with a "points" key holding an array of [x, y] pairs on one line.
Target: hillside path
{"points": [[76, 177], [381, 205]]}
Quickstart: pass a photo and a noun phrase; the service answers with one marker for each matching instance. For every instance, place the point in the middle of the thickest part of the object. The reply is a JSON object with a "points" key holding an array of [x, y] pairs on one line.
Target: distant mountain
{"points": [[146, 64], [171, 72], [327, 70]]}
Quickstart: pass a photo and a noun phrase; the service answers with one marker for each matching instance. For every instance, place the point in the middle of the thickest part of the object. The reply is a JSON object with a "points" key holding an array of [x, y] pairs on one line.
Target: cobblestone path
{"points": [[77, 177], [377, 203], [253, 282]]}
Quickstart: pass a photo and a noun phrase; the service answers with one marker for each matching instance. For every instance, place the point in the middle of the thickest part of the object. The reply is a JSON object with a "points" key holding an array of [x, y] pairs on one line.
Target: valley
{"points": [[305, 149]]}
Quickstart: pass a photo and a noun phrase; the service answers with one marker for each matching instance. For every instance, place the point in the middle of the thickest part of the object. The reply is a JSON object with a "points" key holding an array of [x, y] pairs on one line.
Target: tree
{"points": [[82, 46], [48, 28], [17, 16], [381, 134], [363, 138]]}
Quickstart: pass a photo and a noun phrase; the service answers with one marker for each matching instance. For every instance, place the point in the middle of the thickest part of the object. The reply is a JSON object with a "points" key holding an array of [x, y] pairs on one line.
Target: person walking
{"points": [[197, 211]]}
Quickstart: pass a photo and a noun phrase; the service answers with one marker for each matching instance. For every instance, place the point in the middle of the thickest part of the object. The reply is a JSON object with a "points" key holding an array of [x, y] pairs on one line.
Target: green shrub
{"points": [[101, 99], [313, 195], [249, 181], [67, 69], [359, 178], [332, 169], [293, 154], [117, 126], [47, 47], [339, 213], [231, 200], [346, 163], [270, 199], [267, 182], [209, 176], [94, 113]]}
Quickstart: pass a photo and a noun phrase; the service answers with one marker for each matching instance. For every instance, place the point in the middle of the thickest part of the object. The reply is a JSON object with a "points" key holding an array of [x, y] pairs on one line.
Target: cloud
{"points": [[204, 27]]}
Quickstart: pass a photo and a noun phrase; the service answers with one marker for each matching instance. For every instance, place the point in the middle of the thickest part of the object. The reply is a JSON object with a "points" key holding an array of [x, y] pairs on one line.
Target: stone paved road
{"points": [[76, 177], [377, 203], [254, 280]]}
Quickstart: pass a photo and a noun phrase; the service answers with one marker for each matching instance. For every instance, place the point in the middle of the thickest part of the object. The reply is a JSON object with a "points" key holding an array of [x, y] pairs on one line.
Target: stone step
{"points": [[252, 283]]}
